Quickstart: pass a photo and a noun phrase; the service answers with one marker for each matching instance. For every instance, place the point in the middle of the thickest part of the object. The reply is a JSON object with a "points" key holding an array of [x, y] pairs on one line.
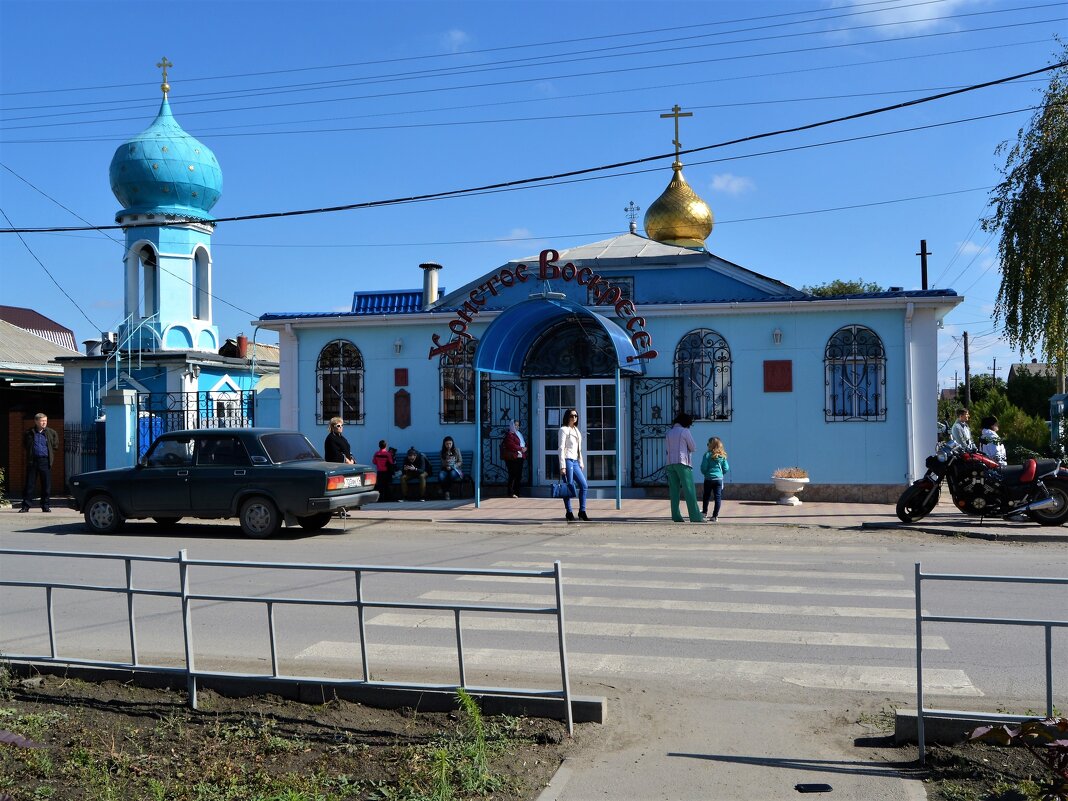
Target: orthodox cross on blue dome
{"points": [[675, 112], [166, 87]]}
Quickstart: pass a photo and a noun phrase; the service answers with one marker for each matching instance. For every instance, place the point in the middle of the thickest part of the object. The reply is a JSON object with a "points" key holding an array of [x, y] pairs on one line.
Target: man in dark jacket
{"points": [[39, 443], [415, 467]]}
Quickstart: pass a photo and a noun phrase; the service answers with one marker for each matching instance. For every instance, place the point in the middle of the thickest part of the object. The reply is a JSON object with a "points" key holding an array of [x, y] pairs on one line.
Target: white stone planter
{"points": [[789, 487]]}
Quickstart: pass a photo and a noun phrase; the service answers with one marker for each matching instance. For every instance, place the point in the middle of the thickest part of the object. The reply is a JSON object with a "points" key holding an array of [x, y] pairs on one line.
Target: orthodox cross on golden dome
{"points": [[676, 112], [166, 87], [631, 210]]}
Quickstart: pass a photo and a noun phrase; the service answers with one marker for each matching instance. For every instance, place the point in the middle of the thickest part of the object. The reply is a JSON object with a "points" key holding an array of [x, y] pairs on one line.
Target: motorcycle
{"points": [[979, 486]]}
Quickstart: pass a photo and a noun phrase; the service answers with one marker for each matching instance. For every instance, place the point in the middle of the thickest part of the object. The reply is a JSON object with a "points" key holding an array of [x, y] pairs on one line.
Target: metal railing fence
{"points": [[921, 618], [359, 601]]}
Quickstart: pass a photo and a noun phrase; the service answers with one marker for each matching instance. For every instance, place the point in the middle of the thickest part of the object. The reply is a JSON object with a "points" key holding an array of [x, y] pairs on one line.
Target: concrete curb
{"points": [[972, 533]]}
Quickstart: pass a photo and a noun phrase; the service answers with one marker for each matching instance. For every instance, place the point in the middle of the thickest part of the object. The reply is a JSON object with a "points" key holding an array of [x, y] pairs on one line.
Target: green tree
{"points": [[982, 385], [1032, 393], [839, 287], [1024, 434], [1031, 213]]}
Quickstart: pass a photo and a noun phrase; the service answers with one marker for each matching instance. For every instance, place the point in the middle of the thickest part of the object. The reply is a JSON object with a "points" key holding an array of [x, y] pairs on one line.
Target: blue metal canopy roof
{"points": [[503, 347]]}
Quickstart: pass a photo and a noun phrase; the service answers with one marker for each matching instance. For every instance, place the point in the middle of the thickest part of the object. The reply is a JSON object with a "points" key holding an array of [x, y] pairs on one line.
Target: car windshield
{"points": [[289, 447]]}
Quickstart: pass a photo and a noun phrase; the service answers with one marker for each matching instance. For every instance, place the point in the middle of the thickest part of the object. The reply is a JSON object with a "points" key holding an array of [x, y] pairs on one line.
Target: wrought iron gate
{"points": [[505, 400], [653, 402], [160, 412]]}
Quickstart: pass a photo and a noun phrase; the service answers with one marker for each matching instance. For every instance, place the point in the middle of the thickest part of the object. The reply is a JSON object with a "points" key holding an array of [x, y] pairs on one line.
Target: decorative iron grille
{"points": [[339, 383], [503, 401], [652, 407], [456, 374], [855, 369], [83, 448], [703, 370], [160, 412], [573, 348]]}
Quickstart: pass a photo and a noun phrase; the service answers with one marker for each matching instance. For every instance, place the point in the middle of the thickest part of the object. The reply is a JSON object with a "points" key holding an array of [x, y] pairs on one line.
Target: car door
{"points": [[221, 470], [160, 485]]}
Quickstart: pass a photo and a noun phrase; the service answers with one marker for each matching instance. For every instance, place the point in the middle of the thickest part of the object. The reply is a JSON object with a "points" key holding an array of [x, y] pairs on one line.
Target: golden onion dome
{"points": [[679, 216]]}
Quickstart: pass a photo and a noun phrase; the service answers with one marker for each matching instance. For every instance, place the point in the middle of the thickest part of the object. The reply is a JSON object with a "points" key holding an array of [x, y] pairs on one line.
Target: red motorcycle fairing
{"points": [[1028, 473]]}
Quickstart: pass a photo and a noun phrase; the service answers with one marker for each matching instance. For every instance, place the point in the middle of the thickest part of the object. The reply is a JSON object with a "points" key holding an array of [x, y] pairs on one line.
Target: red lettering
{"points": [[610, 296], [635, 321], [625, 308], [544, 265], [567, 272], [649, 354], [476, 296], [583, 276], [463, 315], [489, 285], [521, 272], [507, 279], [595, 279], [641, 339], [459, 328], [438, 351]]}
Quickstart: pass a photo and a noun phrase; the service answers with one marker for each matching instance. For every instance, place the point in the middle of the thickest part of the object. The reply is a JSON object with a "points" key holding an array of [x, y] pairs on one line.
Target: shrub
{"points": [[790, 472]]}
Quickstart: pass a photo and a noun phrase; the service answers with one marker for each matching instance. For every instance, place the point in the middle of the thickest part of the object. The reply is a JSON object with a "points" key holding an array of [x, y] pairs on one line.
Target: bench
{"points": [[463, 488]]}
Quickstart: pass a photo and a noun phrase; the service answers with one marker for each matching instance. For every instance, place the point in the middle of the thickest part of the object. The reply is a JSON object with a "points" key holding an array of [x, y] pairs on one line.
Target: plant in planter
{"points": [[789, 481]]}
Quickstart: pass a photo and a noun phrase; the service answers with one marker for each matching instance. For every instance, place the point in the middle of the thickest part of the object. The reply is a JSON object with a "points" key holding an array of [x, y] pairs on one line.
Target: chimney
{"points": [[430, 282], [242, 346]]}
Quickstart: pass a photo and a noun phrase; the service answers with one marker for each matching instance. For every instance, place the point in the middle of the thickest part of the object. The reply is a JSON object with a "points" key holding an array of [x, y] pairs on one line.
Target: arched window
{"points": [[148, 301], [339, 383], [456, 371], [703, 373], [855, 368], [201, 285]]}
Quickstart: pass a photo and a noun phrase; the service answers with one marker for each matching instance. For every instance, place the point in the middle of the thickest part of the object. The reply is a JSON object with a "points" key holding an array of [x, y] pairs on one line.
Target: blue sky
{"points": [[316, 104]]}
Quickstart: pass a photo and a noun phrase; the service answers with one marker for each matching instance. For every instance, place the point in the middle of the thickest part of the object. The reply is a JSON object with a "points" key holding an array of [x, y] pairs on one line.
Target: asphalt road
{"points": [[738, 660]]}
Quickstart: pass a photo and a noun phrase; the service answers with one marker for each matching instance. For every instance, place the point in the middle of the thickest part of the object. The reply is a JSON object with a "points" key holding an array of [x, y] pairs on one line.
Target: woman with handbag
{"points": [[571, 469]]}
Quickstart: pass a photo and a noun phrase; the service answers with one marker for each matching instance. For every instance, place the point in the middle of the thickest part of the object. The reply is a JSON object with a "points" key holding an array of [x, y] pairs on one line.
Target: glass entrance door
{"points": [[595, 400]]}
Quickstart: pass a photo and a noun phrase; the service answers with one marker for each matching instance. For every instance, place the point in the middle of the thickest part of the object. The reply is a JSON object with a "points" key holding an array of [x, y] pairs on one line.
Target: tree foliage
{"points": [[981, 386], [1032, 392], [840, 287], [1030, 209]]}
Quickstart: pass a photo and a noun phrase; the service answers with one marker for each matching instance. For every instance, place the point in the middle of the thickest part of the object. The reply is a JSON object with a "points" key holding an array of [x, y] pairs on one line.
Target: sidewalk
{"points": [[945, 519]]}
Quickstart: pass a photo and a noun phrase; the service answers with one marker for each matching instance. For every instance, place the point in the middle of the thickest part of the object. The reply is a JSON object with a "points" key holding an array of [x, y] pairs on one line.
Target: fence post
{"points": [[460, 648], [559, 579], [919, 667], [361, 622], [187, 627], [1049, 670], [130, 611]]}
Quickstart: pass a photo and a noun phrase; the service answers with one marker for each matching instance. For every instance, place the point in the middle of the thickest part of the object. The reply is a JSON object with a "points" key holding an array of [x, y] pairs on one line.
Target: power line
{"points": [[508, 185]]}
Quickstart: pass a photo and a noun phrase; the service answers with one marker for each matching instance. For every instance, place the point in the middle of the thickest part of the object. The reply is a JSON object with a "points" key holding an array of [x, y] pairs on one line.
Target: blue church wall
{"points": [[178, 338], [766, 430]]}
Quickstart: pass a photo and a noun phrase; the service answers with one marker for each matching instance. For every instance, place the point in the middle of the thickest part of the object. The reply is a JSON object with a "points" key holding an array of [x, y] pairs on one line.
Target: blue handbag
{"points": [[564, 489]]}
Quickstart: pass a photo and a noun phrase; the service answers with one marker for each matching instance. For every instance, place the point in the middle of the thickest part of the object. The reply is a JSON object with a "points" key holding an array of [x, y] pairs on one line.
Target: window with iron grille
{"points": [[855, 368], [339, 383], [703, 373], [624, 282], [456, 370]]}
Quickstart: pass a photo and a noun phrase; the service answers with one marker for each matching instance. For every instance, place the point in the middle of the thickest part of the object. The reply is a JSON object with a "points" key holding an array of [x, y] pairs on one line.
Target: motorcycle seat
{"points": [[1026, 472]]}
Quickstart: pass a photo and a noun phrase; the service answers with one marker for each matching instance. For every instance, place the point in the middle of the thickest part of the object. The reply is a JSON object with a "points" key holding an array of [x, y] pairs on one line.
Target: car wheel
{"points": [[259, 518], [102, 516], [166, 521], [315, 522]]}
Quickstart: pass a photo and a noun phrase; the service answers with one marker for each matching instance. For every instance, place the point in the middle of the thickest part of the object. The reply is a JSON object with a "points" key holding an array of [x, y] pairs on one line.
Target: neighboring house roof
{"points": [[25, 352], [390, 301], [1031, 368], [35, 323]]}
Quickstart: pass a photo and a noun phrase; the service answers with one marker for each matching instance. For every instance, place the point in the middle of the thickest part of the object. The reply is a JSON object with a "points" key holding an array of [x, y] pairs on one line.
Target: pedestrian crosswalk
{"points": [[841, 620]]}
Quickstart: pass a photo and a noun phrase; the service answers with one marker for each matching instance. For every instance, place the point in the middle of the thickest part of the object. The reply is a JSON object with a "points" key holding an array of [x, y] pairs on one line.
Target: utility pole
{"points": [[994, 372], [923, 254], [967, 379]]}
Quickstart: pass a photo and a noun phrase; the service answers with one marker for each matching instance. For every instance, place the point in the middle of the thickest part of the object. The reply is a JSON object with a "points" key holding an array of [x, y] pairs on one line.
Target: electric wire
{"points": [[587, 170]]}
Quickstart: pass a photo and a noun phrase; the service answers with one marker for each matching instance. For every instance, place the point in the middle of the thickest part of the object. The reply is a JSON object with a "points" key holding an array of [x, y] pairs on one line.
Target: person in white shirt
{"points": [[571, 468], [680, 449], [961, 433], [990, 441]]}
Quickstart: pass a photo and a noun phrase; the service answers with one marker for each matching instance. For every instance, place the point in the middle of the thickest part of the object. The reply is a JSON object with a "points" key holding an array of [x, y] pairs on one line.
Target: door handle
{"points": [[183, 472], [239, 472]]}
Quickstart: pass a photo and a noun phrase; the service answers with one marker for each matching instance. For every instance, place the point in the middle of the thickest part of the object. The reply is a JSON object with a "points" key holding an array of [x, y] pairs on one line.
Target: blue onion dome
{"points": [[163, 170]]}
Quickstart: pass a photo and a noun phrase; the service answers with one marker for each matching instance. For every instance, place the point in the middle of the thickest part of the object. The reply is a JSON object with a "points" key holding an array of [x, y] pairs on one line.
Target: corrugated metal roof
{"points": [[38, 324], [390, 301], [19, 346]]}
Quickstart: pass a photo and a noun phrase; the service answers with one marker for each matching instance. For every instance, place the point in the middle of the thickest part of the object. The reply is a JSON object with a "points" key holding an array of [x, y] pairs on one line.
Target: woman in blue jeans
{"points": [[452, 466], [570, 453]]}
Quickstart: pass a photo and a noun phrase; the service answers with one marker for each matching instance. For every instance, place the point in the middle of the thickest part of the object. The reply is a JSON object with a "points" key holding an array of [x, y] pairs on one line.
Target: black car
{"points": [[264, 477]]}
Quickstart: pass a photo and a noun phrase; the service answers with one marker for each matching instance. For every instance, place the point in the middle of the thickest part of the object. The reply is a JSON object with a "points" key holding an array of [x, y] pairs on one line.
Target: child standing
{"points": [[384, 464], [714, 467]]}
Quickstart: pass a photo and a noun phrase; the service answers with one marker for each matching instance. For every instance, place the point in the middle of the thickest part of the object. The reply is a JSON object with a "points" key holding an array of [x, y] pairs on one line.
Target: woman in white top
{"points": [[571, 470]]}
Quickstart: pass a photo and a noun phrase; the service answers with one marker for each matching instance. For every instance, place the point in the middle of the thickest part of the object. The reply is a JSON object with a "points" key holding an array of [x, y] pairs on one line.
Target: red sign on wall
{"points": [[778, 375]]}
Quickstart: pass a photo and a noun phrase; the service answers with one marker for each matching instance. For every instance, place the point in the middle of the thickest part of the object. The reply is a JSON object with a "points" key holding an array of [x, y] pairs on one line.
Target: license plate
{"points": [[353, 481]]}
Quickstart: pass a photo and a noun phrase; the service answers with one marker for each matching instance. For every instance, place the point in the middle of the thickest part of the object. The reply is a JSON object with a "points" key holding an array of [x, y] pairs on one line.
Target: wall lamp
{"points": [[398, 345], [776, 336]]}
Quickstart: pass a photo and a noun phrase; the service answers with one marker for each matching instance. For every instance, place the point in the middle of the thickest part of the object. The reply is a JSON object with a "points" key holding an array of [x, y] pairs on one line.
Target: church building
{"points": [[629, 331]]}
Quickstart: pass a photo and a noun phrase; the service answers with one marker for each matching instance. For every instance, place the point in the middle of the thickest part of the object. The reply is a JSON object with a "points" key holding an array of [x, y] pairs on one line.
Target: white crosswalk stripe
{"points": [[710, 571], [471, 621], [798, 589], [802, 674]]}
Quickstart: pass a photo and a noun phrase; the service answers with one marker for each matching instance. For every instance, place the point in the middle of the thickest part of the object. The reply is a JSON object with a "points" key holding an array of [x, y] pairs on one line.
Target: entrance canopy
{"points": [[504, 345]]}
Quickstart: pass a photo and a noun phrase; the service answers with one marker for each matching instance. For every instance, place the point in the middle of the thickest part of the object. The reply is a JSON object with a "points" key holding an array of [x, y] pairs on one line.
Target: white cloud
{"points": [[902, 20], [454, 40], [732, 184], [515, 233]]}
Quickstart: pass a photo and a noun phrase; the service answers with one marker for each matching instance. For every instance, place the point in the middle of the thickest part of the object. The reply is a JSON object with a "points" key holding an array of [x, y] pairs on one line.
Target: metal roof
{"points": [[505, 343], [22, 350], [392, 301], [36, 323]]}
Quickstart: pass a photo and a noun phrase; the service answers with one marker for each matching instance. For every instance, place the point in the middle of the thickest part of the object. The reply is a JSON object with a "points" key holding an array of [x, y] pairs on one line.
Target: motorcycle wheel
{"points": [[913, 504], [1053, 515]]}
